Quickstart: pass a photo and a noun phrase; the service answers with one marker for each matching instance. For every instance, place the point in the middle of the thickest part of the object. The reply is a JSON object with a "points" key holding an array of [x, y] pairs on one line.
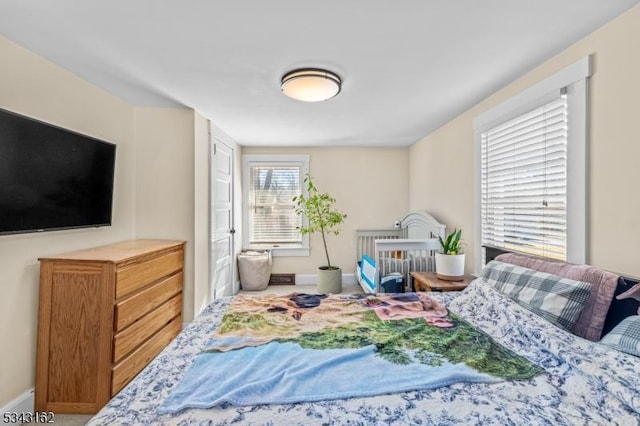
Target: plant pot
{"points": [[450, 267], [329, 280]]}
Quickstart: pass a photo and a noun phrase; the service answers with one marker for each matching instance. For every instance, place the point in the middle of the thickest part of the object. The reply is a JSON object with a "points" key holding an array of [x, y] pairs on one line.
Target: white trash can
{"points": [[255, 269]]}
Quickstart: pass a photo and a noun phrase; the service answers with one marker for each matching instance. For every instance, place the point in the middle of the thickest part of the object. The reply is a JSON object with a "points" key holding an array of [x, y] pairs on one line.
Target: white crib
{"points": [[409, 248]]}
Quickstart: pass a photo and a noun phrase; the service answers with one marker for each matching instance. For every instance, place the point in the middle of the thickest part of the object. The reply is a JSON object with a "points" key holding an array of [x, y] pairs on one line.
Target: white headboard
{"points": [[415, 225], [419, 231], [421, 225]]}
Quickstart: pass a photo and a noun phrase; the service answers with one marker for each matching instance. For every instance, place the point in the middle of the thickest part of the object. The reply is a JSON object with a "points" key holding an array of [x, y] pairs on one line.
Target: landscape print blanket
{"points": [[308, 347]]}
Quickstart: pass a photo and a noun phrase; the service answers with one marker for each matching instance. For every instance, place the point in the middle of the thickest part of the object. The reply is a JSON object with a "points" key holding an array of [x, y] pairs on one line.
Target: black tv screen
{"points": [[51, 178]]}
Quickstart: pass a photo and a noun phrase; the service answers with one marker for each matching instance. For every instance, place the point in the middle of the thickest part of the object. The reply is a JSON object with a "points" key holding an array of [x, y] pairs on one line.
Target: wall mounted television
{"points": [[52, 178]]}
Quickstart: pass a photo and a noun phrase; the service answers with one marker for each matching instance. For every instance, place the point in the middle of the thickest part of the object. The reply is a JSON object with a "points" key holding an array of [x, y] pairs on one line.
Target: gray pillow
{"points": [[557, 299], [625, 337]]}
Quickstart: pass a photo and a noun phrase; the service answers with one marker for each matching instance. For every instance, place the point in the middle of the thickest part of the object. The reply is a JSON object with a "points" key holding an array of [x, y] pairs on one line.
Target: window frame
{"points": [[248, 160], [575, 79]]}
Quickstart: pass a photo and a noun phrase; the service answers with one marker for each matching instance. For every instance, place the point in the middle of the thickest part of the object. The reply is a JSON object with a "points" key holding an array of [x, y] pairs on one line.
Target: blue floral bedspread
{"points": [[582, 383]]}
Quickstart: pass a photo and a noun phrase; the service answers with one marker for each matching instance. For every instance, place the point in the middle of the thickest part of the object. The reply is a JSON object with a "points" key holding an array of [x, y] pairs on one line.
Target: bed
{"points": [[407, 248], [577, 382]]}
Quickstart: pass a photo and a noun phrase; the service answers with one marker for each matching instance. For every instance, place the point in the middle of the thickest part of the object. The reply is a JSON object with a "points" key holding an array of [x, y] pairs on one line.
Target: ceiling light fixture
{"points": [[311, 84]]}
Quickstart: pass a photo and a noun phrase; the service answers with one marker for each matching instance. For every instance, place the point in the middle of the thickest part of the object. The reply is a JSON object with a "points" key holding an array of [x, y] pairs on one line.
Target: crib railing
{"points": [[393, 252], [405, 255], [411, 247], [366, 240]]}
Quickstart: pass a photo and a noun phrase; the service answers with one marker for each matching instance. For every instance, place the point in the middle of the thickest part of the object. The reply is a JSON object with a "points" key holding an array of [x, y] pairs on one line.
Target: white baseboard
{"points": [[312, 279], [306, 279], [349, 279], [22, 404]]}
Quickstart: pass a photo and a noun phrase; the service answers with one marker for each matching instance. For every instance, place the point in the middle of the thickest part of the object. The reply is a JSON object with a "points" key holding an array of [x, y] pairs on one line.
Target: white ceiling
{"points": [[408, 66]]}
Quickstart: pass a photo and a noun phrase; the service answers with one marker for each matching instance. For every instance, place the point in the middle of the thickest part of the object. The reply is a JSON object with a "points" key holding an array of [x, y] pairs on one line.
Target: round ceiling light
{"points": [[310, 84]]}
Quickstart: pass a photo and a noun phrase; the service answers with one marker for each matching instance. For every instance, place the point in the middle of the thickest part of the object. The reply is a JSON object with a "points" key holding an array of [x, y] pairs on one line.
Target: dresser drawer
{"points": [[129, 310], [134, 277], [129, 338], [130, 366]]}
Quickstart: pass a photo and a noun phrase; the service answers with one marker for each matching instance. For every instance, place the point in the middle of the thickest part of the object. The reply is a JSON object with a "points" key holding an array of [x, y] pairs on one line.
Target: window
{"points": [[531, 161], [524, 182], [269, 220]]}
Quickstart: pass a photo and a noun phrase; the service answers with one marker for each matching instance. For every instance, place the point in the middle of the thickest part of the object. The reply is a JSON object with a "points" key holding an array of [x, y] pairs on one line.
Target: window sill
{"points": [[283, 251]]}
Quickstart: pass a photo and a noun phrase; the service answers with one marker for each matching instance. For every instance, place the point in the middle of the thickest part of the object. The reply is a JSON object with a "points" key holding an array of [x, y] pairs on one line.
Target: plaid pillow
{"points": [[557, 299], [625, 337]]}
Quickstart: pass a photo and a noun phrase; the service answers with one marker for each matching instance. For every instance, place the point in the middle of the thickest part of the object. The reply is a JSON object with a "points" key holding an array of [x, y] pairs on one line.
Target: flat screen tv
{"points": [[51, 178]]}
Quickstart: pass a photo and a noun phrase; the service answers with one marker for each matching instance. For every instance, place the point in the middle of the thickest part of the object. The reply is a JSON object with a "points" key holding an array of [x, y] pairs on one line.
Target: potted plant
{"points": [[450, 261], [324, 219]]}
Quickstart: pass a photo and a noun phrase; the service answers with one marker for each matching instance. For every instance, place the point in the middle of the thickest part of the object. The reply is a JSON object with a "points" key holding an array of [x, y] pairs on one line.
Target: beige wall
{"points": [[614, 228], [34, 87], [370, 186], [172, 191], [164, 141], [201, 214], [154, 194]]}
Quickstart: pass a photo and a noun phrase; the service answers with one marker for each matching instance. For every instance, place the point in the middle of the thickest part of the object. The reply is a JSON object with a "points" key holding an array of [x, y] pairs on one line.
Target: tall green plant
{"points": [[451, 245], [320, 212]]}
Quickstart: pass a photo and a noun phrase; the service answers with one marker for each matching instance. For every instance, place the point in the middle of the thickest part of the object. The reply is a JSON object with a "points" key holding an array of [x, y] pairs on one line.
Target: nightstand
{"points": [[428, 281]]}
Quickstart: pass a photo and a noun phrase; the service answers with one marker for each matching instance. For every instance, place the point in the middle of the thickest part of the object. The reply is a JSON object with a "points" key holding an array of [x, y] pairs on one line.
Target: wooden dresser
{"points": [[104, 314]]}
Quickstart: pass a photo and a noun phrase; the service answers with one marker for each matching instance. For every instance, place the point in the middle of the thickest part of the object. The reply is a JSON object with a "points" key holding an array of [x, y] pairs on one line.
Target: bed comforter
{"points": [[582, 383]]}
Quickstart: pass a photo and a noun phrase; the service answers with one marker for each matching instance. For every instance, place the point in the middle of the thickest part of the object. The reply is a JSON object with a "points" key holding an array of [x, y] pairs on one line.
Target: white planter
{"points": [[329, 280], [450, 267]]}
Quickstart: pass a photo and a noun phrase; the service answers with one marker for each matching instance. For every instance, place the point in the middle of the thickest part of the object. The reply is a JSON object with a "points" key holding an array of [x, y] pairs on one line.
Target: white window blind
{"points": [[272, 217], [524, 182]]}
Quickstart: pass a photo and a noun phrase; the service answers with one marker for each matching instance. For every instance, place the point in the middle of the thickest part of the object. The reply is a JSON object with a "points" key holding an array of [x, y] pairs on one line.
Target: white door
{"points": [[222, 231]]}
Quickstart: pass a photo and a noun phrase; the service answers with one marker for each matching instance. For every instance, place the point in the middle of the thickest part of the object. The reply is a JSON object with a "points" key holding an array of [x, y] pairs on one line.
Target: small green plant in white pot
{"points": [[450, 261], [324, 219]]}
